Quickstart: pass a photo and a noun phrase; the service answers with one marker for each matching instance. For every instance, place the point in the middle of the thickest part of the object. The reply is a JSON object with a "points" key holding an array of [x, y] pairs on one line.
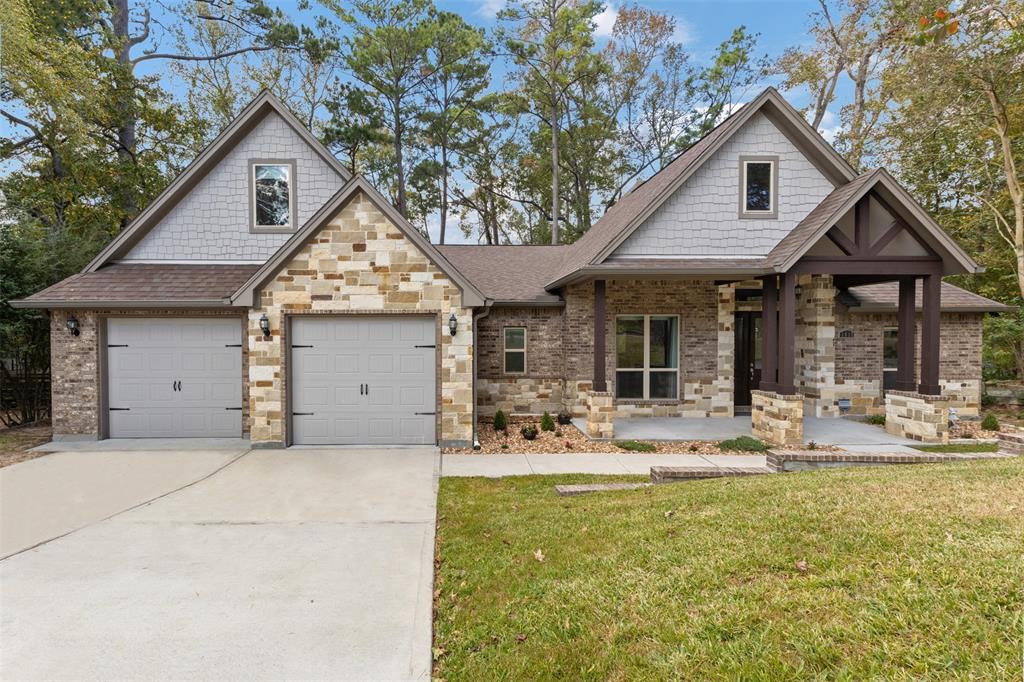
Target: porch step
{"points": [[584, 488], [660, 474]]}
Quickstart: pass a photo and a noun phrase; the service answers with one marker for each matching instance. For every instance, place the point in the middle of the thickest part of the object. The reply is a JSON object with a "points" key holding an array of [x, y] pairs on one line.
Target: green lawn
{"points": [[959, 447], [911, 572]]}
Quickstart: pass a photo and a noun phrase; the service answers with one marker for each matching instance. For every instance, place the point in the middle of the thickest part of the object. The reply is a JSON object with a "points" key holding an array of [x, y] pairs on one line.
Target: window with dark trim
{"points": [[647, 357], [515, 350], [890, 357]]}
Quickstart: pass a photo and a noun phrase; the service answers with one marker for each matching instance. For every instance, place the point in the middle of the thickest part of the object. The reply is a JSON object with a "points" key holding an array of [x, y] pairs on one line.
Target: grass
{"points": [[743, 444], [959, 447], [636, 445], [911, 573], [876, 419]]}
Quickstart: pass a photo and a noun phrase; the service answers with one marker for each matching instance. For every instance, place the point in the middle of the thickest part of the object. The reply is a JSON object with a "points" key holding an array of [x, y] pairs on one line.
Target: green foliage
{"points": [[743, 444], [529, 432], [636, 445], [876, 419], [500, 421], [547, 423], [990, 422], [959, 447], [564, 418]]}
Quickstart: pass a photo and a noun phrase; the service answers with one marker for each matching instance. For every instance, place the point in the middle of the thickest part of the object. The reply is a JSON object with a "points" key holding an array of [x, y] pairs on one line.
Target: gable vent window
{"points": [[758, 187], [272, 186]]}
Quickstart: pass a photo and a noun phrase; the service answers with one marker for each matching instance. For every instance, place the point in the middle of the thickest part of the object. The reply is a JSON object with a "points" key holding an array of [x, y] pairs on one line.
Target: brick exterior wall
{"points": [[76, 369], [540, 388], [359, 263]]}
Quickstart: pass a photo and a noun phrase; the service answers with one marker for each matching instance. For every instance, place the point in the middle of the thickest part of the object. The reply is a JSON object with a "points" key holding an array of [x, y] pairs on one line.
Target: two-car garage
{"points": [[351, 379]]}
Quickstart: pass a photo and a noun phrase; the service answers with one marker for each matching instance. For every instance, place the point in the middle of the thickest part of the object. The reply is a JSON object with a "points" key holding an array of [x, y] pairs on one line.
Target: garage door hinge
{"points": [[426, 346], [232, 345], [232, 408], [295, 345], [303, 414], [424, 412], [119, 409], [117, 345]]}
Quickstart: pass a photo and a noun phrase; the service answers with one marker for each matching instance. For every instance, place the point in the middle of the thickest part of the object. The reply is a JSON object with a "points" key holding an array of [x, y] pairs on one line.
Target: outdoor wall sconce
{"points": [[798, 291], [453, 324], [265, 326], [72, 325]]}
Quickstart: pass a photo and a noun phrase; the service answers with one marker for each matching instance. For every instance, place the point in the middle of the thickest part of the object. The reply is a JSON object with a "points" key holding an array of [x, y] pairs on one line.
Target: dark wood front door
{"points": [[748, 356]]}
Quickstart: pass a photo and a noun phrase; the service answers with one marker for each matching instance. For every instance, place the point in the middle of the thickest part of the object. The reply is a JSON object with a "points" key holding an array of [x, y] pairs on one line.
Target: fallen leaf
{"points": [[438, 653], [521, 637], [801, 566], [670, 513], [538, 555]]}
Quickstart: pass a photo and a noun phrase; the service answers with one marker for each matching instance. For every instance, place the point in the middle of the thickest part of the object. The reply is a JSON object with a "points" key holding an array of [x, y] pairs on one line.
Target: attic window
{"points": [[272, 189], [758, 187]]}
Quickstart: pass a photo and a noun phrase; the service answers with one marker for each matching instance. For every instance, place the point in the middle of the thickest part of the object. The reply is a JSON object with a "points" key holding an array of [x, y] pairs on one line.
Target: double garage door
{"points": [[363, 380], [174, 377]]}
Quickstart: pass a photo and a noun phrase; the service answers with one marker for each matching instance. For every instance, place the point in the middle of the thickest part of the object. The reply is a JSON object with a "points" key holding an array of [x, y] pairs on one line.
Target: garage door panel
{"points": [[378, 353], [174, 377]]}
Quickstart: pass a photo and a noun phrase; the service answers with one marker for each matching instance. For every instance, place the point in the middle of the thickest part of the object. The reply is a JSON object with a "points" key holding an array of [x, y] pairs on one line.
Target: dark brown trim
{"points": [[787, 334], [930, 315], [841, 240], [896, 216], [770, 332], [600, 380], [877, 265], [907, 330], [894, 229], [862, 224]]}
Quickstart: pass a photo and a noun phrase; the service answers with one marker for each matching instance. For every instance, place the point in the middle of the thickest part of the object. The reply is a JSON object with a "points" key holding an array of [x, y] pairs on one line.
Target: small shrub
{"points": [[743, 444], [812, 445], [558, 433], [504, 446], [547, 423], [990, 423], [568, 445], [529, 432], [500, 421], [636, 445], [564, 418], [694, 448], [876, 419]]}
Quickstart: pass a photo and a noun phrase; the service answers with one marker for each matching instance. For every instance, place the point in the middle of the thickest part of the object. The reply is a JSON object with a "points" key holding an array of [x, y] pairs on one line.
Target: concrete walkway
{"points": [[286, 564], [494, 466]]}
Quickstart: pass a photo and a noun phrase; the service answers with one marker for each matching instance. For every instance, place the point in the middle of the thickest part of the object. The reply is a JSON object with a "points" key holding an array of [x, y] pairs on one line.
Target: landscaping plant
{"points": [[876, 419], [743, 444], [990, 423], [547, 423], [529, 432], [500, 421], [636, 445], [564, 418]]}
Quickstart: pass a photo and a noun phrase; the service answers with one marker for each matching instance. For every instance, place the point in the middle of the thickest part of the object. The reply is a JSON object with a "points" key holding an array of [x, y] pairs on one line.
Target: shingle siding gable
{"points": [[701, 218], [212, 221]]}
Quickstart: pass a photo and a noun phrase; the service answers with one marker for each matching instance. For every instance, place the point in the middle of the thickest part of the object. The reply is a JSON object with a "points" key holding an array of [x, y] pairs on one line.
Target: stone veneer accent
{"points": [[77, 373], [519, 396], [359, 263], [815, 345], [777, 418], [917, 416], [600, 413]]}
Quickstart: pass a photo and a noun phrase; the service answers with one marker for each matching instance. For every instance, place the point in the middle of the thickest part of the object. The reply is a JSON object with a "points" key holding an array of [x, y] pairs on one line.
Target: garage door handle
{"points": [[119, 409], [303, 414], [232, 408], [424, 412], [298, 346]]}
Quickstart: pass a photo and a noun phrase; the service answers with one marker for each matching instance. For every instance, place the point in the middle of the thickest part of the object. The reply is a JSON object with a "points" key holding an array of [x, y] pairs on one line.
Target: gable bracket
{"points": [[841, 240]]}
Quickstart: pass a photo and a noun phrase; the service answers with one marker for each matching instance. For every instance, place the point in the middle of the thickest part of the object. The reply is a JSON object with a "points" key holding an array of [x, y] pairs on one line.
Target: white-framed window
{"points": [[515, 350], [272, 195], [758, 187], [647, 357]]}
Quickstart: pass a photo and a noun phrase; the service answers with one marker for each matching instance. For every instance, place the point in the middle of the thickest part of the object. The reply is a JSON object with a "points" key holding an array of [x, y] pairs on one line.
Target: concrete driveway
{"points": [[284, 564]]}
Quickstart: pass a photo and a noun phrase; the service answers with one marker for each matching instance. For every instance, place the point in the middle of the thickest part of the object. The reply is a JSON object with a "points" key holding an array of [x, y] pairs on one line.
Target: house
{"points": [[269, 294]]}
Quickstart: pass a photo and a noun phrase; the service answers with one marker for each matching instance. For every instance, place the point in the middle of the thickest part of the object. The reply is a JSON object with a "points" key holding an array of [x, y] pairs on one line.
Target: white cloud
{"points": [[830, 125], [490, 8], [605, 21], [452, 230], [684, 33]]}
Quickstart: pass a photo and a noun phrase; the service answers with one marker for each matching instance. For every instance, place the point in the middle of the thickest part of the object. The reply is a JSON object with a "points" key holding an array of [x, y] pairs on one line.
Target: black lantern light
{"points": [[72, 325], [453, 324], [265, 325]]}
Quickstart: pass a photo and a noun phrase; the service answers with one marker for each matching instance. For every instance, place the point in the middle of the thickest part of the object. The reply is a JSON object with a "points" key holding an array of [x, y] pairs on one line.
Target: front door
{"points": [[748, 356]]}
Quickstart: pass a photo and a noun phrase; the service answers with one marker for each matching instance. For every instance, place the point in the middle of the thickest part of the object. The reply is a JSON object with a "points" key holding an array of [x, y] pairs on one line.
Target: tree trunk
{"points": [[124, 88], [554, 173], [1013, 183], [396, 106], [444, 191]]}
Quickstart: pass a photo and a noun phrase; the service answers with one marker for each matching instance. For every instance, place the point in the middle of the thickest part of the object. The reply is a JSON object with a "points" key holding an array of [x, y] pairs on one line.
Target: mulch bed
{"points": [[566, 440]]}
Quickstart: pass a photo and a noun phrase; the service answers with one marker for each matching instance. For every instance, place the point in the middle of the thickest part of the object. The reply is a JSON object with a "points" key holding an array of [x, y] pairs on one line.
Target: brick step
{"points": [[660, 474], [569, 490], [794, 460]]}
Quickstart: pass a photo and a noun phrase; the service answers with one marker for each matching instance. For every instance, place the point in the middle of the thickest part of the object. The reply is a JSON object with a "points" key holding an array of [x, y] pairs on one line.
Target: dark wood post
{"points": [[862, 224], [931, 307], [600, 382], [770, 333], [906, 342], [787, 333]]}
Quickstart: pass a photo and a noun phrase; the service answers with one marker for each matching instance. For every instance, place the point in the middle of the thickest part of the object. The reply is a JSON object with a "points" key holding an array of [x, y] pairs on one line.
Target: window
{"points": [[515, 350], [273, 191], [890, 359], [758, 184], [647, 357]]}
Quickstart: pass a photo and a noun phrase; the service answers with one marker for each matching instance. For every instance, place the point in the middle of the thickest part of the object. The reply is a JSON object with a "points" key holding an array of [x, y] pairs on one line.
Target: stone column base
{"points": [[600, 412], [777, 418], [917, 416]]}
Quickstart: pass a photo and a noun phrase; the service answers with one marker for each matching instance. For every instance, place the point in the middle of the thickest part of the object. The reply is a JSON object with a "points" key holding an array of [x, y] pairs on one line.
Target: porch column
{"points": [[931, 305], [600, 382], [906, 342], [787, 333], [770, 332]]}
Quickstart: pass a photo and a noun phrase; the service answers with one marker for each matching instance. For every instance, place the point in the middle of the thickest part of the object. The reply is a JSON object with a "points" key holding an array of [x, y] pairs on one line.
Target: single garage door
{"points": [[363, 380], [176, 377]]}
